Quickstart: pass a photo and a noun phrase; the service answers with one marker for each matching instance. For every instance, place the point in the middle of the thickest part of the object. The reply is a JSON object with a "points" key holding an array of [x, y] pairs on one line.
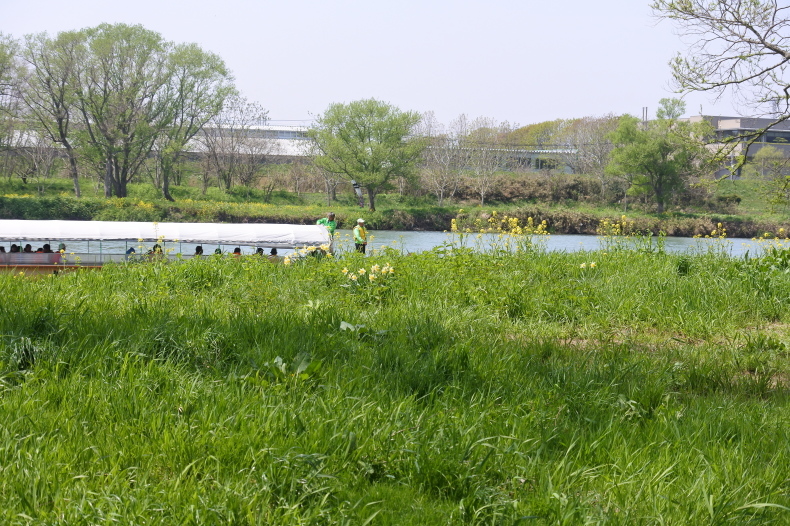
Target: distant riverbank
{"points": [[406, 218]]}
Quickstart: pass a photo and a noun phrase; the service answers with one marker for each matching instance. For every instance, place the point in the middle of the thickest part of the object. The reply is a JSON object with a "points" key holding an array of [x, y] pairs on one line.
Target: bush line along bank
{"points": [[407, 218]]}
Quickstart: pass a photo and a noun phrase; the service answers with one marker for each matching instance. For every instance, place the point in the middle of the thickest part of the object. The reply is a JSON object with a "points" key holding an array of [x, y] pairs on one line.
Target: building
{"points": [[742, 130]]}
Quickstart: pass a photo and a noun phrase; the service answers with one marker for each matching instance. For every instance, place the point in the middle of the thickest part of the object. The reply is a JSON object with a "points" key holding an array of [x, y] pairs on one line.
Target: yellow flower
{"points": [[372, 277], [361, 271], [592, 265], [353, 277], [583, 265], [375, 268], [344, 271]]}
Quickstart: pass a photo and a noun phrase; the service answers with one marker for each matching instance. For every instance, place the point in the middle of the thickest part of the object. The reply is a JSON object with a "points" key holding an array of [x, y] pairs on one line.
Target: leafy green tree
{"points": [[112, 94], [198, 85], [10, 117], [541, 134], [8, 50], [8, 88], [659, 157], [770, 166], [49, 93], [369, 142], [118, 93]]}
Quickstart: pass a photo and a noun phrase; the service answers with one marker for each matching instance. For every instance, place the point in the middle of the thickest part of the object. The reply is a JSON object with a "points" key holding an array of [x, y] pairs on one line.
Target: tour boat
{"points": [[90, 244]]}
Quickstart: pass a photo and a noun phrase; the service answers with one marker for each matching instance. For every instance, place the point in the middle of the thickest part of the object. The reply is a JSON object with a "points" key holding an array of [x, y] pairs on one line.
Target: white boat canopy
{"points": [[270, 235]]}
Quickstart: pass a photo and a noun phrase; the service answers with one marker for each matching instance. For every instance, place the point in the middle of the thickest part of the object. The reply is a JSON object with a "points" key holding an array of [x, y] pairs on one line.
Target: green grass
{"points": [[461, 388]]}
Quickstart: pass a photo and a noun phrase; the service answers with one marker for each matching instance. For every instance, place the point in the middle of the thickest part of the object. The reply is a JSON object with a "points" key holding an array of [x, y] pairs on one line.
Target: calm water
{"points": [[420, 241], [412, 242]]}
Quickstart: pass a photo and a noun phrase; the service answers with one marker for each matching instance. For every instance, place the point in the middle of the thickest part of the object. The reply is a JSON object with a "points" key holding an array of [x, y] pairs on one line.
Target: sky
{"points": [[520, 61]]}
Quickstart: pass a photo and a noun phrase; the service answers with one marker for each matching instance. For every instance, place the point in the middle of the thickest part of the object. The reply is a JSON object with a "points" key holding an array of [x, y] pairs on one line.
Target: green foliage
{"points": [[112, 94], [48, 208], [540, 134], [770, 167], [660, 156], [367, 141]]}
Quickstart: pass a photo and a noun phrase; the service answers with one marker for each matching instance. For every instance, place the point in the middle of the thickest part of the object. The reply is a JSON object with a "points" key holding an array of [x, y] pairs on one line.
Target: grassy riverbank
{"points": [[752, 218], [621, 386]]}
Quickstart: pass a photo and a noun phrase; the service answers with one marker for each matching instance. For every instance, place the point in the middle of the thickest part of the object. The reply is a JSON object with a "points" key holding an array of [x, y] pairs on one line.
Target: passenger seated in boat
{"points": [[155, 252], [40, 250], [259, 251], [28, 249], [2, 250], [47, 249], [199, 250], [273, 255], [14, 248], [62, 247], [237, 251], [130, 251], [218, 251]]}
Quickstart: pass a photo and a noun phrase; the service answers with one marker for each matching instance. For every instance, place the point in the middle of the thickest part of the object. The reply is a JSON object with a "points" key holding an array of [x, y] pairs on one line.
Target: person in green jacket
{"points": [[329, 222], [360, 236]]}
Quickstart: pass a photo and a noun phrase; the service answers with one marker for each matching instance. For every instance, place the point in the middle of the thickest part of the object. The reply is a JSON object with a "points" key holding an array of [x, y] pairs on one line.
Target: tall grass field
{"points": [[448, 387]]}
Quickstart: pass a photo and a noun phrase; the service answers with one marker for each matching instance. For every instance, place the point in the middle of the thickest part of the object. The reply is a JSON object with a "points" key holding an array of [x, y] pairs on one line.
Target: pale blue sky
{"points": [[519, 61]]}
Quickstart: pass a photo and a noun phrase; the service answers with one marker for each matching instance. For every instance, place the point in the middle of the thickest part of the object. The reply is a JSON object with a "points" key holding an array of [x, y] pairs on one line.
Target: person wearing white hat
{"points": [[360, 236]]}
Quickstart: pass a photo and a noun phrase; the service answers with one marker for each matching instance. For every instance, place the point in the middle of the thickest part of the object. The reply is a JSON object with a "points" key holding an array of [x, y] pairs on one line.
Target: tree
{"points": [[369, 142], [488, 153], [331, 180], [234, 146], [584, 146], [737, 45], [49, 94], [540, 135], [8, 51], [197, 87], [443, 157], [119, 96], [36, 158], [9, 96], [772, 167], [659, 157]]}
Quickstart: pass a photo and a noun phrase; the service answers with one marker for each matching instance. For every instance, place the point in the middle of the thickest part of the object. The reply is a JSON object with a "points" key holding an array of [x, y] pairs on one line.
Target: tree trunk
{"points": [[372, 199], [108, 178], [74, 173], [166, 187], [328, 193]]}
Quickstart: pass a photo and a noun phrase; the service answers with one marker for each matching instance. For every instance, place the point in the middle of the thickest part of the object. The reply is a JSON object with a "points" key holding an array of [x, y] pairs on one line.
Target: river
{"points": [[409, 242], [420, 241]]}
